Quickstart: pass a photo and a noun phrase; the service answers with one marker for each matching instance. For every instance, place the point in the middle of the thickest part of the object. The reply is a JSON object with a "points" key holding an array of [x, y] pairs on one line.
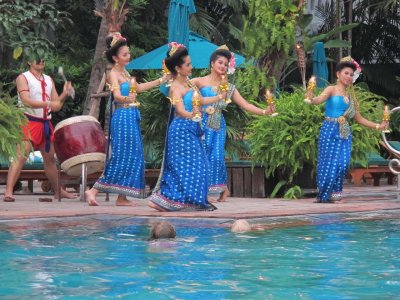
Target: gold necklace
{"points": [[344, 94], [124, 73]]}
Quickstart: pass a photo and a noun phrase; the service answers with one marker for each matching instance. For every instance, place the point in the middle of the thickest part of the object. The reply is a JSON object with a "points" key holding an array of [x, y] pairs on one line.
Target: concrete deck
{"points": [[357, 199]]}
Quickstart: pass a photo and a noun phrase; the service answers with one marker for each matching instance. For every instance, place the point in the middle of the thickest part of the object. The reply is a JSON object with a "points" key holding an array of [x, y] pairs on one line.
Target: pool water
{"points": [[114, 260]]}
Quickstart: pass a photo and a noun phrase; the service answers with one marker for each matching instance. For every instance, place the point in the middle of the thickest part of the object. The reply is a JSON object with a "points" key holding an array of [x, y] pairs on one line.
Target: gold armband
{"points": [[160, 81], [174, 101], [112, 87]]}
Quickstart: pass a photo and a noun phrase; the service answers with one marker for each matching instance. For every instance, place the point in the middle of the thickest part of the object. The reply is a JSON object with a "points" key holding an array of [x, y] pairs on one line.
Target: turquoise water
{"points": [[113, 260]]}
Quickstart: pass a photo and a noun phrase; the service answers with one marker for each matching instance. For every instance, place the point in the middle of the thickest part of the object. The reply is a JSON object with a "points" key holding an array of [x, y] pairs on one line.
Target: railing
{"points": [[394, 164]]}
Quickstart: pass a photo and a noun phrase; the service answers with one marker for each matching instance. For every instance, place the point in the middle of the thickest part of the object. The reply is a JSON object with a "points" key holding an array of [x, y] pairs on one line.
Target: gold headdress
{"points": [[174, 46], [223, 47], [116, 38], [347, 58]]}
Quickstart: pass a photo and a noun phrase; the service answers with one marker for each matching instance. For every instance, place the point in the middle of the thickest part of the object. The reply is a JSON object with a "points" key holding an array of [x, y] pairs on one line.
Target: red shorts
{"points": [[34, 131]]}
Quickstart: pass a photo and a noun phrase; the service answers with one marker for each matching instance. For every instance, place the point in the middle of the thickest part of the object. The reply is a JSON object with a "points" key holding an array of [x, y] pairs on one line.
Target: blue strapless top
{"points": [[124, 88], [207, 91], [164, 89], [335, 106], [187, 100]]}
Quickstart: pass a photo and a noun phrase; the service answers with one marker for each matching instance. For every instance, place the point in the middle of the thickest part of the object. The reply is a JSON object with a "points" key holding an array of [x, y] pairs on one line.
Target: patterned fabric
{"points": [[214, 144], [334, 149], [124, 170], [183, 184]]}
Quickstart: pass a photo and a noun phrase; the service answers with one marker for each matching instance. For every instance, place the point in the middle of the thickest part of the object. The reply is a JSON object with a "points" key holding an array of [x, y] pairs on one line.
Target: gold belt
{"points": [[340, 119], [126, 105]]}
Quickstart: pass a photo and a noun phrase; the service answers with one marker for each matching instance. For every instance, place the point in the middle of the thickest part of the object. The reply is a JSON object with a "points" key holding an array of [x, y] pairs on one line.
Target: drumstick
{"points": [[61, 73]]}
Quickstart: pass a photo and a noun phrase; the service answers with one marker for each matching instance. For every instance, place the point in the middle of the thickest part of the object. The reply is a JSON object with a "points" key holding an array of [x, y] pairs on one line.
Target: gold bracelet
{"points": [[160, 81], [264, 112], [126, 98], [377, 126], [220, 97]]}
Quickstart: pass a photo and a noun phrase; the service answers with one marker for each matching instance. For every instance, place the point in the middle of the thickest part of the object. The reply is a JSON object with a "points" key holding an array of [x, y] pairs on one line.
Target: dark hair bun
{"points": [[113, 50], [345, 64], [176, 60]]}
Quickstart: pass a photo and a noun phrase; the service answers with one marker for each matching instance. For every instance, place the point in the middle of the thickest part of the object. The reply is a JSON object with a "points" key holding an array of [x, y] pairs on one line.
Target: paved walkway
{"points": [[357, 199]]}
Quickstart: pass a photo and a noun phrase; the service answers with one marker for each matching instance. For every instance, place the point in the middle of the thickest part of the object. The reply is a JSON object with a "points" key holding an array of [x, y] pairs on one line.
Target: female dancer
{"points": [[124, 171], [214, 125], [335, 138], [184, 178]]}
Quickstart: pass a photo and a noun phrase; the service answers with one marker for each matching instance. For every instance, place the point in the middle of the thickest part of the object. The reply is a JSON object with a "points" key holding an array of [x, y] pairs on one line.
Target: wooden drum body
{"points": [[80, 140]]}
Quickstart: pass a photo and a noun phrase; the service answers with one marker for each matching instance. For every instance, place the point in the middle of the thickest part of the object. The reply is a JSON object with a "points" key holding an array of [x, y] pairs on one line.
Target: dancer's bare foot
{"points": [[212, 199], [122, 201], [65, 194], [91, 198], [225, 194], [8, 198], [151, 204]]}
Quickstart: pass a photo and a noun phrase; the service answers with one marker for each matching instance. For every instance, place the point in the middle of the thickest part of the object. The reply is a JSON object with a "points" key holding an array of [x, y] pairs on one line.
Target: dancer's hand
{"points": [[131, 98], [165, 78], [308, 97], [196, 110], [223, 95], [384, 125], [270, 109]]}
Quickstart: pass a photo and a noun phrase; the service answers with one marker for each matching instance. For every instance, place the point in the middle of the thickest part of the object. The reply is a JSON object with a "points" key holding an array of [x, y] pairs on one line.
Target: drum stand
{"points": [[83, 185]]}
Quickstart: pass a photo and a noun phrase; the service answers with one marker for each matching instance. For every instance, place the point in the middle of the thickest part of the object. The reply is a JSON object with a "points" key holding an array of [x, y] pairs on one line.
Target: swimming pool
{"points": [[111, 258]]}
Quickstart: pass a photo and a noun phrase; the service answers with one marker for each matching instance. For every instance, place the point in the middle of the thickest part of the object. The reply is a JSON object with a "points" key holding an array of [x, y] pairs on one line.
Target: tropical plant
{"points": [[25, 28], [287, 144], [374, 42], [11, 120], [214, 18], [269, 33]]}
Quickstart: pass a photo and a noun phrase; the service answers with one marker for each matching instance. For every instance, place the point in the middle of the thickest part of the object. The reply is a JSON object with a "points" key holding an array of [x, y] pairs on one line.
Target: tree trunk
{"points": [[350, 34], [98, 69]]}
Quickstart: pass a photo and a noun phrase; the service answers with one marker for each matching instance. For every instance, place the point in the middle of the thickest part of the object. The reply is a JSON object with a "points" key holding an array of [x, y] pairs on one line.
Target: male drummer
{"points": [[38, 98]]}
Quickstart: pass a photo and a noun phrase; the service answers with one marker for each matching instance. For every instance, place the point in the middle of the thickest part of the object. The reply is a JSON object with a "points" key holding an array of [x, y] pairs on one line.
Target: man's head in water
{"points": [[240, 226], [162, 230]]}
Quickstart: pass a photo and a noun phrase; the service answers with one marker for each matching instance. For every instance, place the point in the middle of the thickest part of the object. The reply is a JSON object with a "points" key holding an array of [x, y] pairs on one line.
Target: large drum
{"points": [[79, 140]]}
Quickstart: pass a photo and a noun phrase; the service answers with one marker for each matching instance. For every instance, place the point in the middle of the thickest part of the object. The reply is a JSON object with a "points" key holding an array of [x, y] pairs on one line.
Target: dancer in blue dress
{"points": [[335, 138], [214, 125], [183, 182], [124, 170]]}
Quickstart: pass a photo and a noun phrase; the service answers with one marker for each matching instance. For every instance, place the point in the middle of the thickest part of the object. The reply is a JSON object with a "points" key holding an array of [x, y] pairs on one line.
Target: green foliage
{"points": [[270, 25], [24, 27], [294, 192], [154, 111], [75, 71], [11, 120], [287, 143]]}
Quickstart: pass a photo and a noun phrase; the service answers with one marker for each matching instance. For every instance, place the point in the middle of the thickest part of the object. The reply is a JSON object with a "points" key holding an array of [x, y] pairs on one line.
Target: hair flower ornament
{"points": [[232, 64], [174, 46]]}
